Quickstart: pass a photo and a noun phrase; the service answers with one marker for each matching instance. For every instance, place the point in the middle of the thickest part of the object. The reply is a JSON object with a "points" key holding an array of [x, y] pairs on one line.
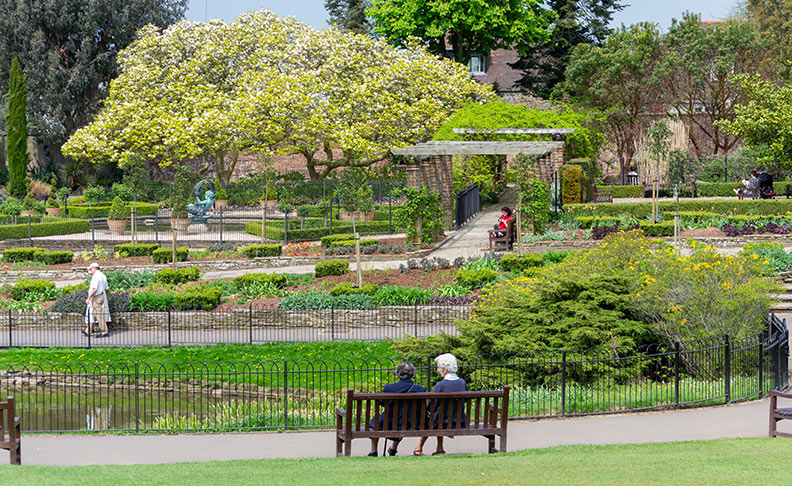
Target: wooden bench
{"points": [[503, 240], [487, 414], [777, 414], [9, 422], [602, 195]]}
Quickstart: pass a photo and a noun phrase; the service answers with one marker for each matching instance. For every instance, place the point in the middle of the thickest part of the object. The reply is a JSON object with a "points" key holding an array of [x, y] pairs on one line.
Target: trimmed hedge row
{"points": [[165, 255], [351, 243], [331, 267], [624, 191], [249, 279], [37, 254], [275, 230], [586, 222], [53, 226], [265, 250], [136, 249], [143, 209], [641, 210], [178, 276], [22, 289]]}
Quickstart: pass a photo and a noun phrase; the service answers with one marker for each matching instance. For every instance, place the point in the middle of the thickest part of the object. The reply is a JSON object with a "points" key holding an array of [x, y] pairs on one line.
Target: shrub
{"points": [[220, 193], [178, 276], [483, 262], [586, 222], [773, 255], [249, 279], [626, 191], [25, 289], [165, 255], [120, 280], [331, 267], [663, 228], [21, 254], [122, 192], [197, 298], [257, 289], [322, 300], [30, 204], [53, 257], [475, 278], [11, 207], [572, 183], [400, 295], [117, 210], [346, 288], [48, 227], [135, 249], [514, 263], [74, 303], [266, 250], [327, 241], [149, 301]]}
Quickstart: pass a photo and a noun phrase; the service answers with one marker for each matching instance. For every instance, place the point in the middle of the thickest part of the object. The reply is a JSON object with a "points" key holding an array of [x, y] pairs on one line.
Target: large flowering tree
{"points": [[265, 83]]}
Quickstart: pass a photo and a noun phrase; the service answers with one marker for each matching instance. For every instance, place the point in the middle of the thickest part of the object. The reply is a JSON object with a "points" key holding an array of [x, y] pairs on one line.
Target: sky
{"points": [[312, 12]]}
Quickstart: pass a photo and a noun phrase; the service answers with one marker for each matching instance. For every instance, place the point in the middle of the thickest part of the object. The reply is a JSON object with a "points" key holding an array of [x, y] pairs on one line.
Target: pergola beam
{"points": [[431, 149]]}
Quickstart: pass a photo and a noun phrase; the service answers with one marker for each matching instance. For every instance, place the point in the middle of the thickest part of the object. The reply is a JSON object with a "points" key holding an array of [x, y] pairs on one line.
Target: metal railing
{"points": [[289, 394], [85, 229], [254, 324], [468, 204]]}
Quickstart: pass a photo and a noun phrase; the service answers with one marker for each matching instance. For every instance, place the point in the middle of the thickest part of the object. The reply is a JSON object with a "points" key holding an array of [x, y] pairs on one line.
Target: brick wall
{"points": [[498, 70], [436, 175]]}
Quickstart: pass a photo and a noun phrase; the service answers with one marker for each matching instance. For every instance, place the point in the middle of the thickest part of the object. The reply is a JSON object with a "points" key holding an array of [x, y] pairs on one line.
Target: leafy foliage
{"points": [[34, 290], [424, 205], [74, 303], [197, 298], [400, 295], [331, 267], [323, 300], [178, 276], [16, 125], [165, 255], [151, 301], [475, 278], [262, 250], [136, 249], [249, 279], [117, 210]]}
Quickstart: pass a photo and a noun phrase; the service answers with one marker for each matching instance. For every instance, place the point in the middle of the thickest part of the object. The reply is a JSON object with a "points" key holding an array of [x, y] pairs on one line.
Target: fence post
{"points": [[727, 370], [285, 394], [169, 328], [286, 227], [10, 334], [137, 398], [390, 219], [725, 168], [415, 319], [93, 237], [677, 366], [250, 322], [221, 225], [332, 322], [761, 367], [30, 232], [563, 382], [156, 224], [331, 216]]}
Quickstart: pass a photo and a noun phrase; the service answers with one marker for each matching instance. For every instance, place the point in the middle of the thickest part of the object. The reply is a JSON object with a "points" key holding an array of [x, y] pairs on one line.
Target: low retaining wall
{"points": [[394, 316]]}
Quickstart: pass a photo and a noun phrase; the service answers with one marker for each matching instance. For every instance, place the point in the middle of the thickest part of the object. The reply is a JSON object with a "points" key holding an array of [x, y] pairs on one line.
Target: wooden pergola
{"points": [[444, 148]]}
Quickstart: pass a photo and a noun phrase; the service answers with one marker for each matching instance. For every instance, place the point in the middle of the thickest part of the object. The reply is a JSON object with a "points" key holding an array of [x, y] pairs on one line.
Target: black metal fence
{"points": [[84, 229], [251, 325], [287, 394], [468, 204]]}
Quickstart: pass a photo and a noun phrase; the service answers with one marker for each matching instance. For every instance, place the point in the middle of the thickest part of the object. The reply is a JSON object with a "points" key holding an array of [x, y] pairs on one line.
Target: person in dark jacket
{"points": [[447, 368], [400, 414]]}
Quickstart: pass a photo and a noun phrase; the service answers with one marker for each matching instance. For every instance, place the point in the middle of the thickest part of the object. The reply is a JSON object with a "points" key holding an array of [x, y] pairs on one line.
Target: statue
{"points": [[197, 212]]}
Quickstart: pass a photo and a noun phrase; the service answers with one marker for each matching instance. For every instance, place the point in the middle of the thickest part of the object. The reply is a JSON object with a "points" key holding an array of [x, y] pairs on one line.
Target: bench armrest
{"points": [[780, 394], [340, 412]]}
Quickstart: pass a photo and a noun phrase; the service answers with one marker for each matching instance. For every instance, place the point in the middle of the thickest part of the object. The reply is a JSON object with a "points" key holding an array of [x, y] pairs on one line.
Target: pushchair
{"points": [[766, 190]]}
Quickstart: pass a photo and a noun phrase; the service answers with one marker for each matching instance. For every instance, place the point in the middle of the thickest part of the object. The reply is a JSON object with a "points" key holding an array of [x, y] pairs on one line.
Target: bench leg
{"points": [[16, 455], [503, 443], [491, 444], [347, 446], [339, 446]]}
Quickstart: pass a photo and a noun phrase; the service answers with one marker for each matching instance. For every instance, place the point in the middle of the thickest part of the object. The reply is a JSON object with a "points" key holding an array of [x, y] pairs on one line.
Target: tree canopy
{"points": [[16, 123], [577, 22], [67, 49], [470, 27], [265, 83], [773, 19], [696, 75], [349, 15]]}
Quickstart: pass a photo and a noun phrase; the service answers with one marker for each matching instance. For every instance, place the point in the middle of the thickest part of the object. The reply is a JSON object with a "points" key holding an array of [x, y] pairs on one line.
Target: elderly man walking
{"points": [[97, 295]]}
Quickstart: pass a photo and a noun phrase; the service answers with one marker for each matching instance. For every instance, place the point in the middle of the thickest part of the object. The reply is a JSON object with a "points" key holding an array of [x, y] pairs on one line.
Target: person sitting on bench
{"points": [[503, 220], [447, 368], [750, 187], [405, 373]]}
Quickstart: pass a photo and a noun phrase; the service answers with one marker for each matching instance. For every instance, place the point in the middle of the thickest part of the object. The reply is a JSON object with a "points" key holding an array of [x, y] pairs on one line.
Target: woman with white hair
{"points": [[447, 368], [404, 372]]}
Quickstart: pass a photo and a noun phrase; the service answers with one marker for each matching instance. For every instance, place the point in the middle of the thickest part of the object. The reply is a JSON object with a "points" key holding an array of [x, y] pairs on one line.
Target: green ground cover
{"points": [[734, 462]]}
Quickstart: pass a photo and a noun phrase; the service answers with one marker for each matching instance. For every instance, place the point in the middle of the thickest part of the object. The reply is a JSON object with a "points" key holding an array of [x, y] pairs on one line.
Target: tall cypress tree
{"points": [[16, 125], [349, 15]]}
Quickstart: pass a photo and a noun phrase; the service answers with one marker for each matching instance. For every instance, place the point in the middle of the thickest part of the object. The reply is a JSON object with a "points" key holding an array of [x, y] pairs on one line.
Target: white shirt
{"points": [[98, 282]]}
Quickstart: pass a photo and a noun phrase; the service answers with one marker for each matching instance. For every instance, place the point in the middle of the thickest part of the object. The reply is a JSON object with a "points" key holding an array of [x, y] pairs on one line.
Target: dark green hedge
{"points": [[165, 255], [266, 250], [624, 191], [724, 207], [54, 257], [587, 222], [54, 226], [21, 254], [136, 249], [275, 230], [331, 267], [81, 211]]}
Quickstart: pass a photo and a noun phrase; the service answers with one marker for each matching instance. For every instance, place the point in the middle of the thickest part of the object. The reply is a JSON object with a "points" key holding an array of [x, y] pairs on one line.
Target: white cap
{"points": [[93, 265]]}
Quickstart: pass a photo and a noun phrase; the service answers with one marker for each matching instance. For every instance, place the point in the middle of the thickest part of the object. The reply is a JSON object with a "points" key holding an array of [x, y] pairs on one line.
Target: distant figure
{"points": [[97, 302], [503, 220], [750, 186], [766, 190]]}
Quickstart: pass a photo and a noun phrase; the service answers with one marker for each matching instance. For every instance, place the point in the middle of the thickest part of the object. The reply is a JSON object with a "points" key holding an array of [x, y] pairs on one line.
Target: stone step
{"points": [[783, 306]]}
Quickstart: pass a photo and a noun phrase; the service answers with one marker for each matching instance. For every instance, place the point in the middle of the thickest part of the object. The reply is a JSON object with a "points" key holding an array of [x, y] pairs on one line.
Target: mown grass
{"points": [[733, 462]]}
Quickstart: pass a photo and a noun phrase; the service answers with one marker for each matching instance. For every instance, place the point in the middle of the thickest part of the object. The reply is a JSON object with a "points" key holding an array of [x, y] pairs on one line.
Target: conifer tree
{"points": [[16, 125]]}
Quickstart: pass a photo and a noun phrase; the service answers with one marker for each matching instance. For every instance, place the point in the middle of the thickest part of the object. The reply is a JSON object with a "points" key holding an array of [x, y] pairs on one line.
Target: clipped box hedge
{"points": [[21, 254], [82, 211], [624, 191], [178, 276], [717, 189], [249, 279], [331, 267], [587, 222], [22, 289], [197, 298], [136, 249], [663, 228], [351, 243], [165, 255], [641, 210], [275, 230], [49, 227], [54, 257], [263, 250]]}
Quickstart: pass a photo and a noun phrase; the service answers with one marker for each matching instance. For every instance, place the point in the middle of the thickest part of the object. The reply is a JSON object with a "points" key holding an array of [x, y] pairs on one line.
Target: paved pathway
{"points": [[733, 421]]}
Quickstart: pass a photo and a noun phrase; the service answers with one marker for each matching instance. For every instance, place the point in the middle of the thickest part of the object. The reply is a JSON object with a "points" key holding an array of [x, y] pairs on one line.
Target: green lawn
{"points": [[724, 462]]}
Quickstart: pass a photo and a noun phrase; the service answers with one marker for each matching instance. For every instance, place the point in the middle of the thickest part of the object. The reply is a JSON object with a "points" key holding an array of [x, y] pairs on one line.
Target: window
{"points": [[477, 65]]}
